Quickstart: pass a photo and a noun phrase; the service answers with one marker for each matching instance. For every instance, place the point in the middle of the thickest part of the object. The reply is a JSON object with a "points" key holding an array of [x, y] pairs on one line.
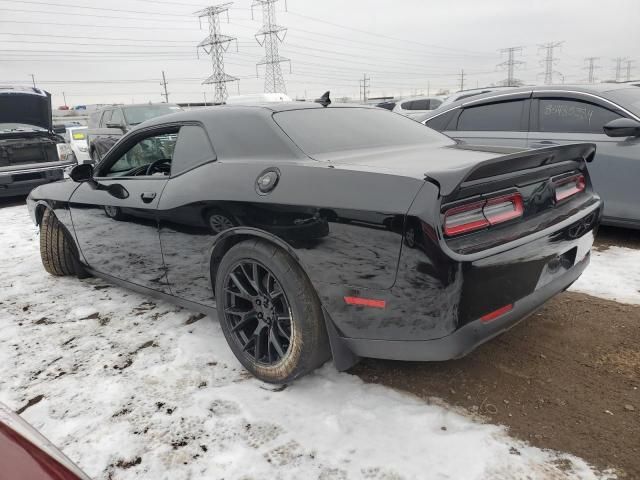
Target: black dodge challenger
{"points": [[318, 231]]}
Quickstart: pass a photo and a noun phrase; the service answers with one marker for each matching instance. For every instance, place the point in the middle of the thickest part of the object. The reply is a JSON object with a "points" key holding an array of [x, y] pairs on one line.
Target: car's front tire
{"points": [[270, 313], [57, 251]]}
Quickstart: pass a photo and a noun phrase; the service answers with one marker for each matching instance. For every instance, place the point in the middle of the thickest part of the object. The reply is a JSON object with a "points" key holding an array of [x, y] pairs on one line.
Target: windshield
{"points": [[139, 114], [628, 98], [318, 131], [19, 127]]}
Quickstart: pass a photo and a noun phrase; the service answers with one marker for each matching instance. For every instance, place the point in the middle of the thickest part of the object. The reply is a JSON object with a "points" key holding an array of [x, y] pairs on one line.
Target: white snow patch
{"points": [[614, 274], [137, 385]]}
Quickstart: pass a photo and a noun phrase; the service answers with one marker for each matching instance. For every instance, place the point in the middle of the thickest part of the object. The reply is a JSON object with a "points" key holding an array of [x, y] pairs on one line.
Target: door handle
{"points": [[147, 197]]}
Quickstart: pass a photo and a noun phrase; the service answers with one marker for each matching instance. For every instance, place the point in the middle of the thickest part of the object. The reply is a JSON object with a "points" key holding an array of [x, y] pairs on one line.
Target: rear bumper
{"points": [[471, 335]]}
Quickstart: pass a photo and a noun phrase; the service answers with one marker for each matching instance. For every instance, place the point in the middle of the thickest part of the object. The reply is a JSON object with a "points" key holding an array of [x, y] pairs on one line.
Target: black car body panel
{"points": [[361, 223], [28, 151]]}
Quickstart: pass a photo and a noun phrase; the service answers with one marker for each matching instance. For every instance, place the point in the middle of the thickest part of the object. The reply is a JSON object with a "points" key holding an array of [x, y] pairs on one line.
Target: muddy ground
{"points": [[567, 378]]}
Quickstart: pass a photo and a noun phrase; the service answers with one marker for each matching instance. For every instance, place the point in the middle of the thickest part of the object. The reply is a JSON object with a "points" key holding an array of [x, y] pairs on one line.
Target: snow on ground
{"points": [[138, 388], [614, 273]]}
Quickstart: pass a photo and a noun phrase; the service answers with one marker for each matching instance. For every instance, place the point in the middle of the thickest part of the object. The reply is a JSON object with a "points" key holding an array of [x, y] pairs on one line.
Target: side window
{"points": [[572, 116], [420, 105], [192, 149], [493, 117], [156, 149], [117, 117], [106, 118], [407, 106], [441, 122]]}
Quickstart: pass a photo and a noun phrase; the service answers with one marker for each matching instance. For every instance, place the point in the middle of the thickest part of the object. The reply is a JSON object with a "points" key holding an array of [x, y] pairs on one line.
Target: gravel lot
{"points": [[131, 388]]}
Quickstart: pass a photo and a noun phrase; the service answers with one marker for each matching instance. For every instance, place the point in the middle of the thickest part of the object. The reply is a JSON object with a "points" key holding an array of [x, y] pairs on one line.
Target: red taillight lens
{"points": [[567, 187], [465, 218], [477, 215]]}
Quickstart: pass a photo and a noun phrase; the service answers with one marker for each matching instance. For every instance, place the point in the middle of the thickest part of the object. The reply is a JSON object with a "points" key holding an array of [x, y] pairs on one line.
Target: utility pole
{"points": [[549, 60], [216, 44], [462, 79], [619, 61], [33, 78], [629, 64], [592, 68], [164, 84], [65, 98], [269, 37], [205, 98], [365, 83], [511, 64]]}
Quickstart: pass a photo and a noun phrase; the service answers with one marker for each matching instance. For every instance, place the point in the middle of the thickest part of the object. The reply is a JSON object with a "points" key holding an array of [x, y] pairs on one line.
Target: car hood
{"points": [[30, 106]]}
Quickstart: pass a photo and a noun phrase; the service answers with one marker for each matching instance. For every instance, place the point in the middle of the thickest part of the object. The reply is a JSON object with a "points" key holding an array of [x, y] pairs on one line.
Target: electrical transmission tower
{"points": [[629, 67], [511, 64], [591, 67], [365, 83], [619, 61], [549, 60], [216, 45], [269, 37]]}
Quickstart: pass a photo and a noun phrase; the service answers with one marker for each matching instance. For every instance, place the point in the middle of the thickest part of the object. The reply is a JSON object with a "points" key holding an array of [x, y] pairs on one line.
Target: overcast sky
{"points": [[115, 51]]}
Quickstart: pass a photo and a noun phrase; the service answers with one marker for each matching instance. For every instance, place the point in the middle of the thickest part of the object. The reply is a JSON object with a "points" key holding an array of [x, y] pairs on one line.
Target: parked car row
{"points": [[607, 115]]}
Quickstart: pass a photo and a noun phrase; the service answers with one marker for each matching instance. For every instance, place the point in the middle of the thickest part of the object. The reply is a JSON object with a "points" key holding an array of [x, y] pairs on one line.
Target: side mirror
{"points": [[116, 125], [622, 127], [82, 173]]}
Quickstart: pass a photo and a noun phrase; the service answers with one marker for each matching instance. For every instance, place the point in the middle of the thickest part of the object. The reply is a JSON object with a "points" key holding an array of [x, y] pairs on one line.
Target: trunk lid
{"points": [[28, 106]]}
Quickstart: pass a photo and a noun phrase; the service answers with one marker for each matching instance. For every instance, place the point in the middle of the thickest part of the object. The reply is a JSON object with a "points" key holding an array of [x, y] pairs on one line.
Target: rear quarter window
{"points": [[442, 122], [192, 148]]}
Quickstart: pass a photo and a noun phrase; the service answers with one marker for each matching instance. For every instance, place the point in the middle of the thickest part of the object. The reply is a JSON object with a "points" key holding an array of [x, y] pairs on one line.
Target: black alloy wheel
{"points": [[269, 312], [220, 222], [258, 312]]}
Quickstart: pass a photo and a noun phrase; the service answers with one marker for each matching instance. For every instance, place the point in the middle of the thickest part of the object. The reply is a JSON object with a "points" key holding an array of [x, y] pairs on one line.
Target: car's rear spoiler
{"points": [[469, 178]]}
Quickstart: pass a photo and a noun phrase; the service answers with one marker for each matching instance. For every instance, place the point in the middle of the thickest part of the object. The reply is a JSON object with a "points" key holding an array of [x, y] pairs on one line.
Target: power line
{"points": [[272, 35], [511, 64], [216, 44]]}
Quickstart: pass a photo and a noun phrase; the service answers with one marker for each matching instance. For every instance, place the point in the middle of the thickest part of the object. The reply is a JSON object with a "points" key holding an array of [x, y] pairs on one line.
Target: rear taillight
{"points": [[477, 215], [567, 187]]}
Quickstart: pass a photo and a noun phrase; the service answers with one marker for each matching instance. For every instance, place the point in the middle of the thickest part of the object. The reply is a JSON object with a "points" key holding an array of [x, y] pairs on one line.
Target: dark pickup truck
{"points": [[108, 124], [31, 154]]}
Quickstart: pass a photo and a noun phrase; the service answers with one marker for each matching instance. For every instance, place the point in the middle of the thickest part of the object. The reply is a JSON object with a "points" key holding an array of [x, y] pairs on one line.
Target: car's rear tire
{"points": [[270, 313], [57, 250]]}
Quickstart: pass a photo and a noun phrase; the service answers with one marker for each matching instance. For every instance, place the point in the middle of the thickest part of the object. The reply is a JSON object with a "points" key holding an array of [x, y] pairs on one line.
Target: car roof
{"points": [[207, 113], [597, 88]]}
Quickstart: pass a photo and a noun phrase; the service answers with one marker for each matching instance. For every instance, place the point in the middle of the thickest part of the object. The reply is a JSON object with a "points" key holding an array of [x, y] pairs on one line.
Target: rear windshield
{"points": [[324, 130], [628, 98], [136, 115]]}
